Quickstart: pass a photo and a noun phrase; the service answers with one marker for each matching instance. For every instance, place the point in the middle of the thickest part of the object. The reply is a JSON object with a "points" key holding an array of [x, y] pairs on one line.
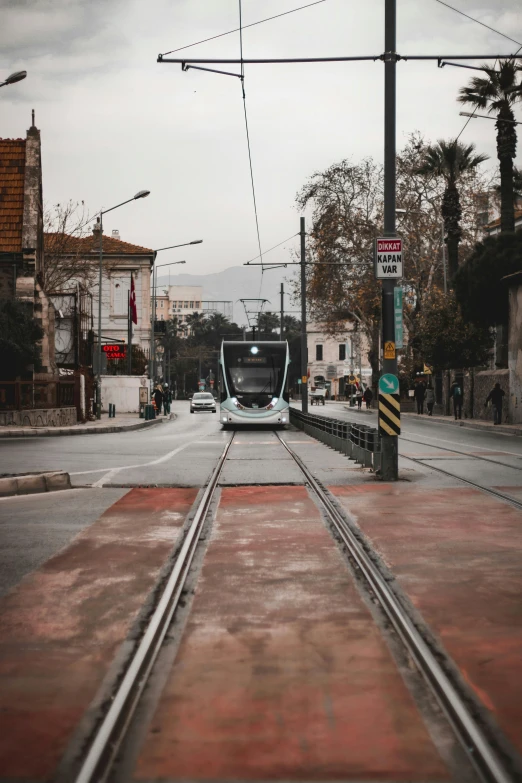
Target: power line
{"points": [[457, 11], [253, 24], [270, 249]]}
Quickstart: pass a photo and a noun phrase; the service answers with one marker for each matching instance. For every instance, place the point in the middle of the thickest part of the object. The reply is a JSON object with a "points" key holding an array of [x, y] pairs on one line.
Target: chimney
{"points": [[115, 233], [96, 228]]}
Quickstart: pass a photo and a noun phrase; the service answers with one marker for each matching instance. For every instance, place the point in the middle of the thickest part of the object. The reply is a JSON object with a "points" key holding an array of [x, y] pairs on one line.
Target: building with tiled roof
{"points": [[494, 227], [120, 261], [21, 233]]}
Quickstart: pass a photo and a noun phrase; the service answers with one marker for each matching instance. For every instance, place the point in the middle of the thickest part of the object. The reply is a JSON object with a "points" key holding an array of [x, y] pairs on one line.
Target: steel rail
{"points": [[482, 756], [463, 453], [487, 490], [105, 745]]}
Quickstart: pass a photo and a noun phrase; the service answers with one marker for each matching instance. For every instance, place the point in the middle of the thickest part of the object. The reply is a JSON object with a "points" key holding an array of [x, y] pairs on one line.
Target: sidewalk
{"points": [[124, 423], [474, 424]]}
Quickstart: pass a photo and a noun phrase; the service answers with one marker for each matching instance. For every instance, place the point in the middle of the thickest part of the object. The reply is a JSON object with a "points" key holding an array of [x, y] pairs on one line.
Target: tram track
{"points": [[104, 746], [482, 754], [461, 453]]}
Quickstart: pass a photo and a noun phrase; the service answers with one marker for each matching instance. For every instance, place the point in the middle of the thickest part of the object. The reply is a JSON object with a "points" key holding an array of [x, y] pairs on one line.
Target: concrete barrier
{"points": [[34, 483]]}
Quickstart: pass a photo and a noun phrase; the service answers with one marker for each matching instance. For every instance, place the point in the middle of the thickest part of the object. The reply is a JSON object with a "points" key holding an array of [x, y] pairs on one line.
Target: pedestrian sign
{"points": [[388, 384], [388, 258], [389, 350]]}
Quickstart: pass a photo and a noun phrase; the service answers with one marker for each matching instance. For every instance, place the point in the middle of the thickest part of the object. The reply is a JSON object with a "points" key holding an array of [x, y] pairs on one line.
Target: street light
{"points": [[153, 314], [485, 117], [139, 194], [17, 76]]}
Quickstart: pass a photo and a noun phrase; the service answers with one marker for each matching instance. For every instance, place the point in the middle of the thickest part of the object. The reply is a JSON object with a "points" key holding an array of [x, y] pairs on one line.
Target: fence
{"points": [[358, 441], [27, 395]]}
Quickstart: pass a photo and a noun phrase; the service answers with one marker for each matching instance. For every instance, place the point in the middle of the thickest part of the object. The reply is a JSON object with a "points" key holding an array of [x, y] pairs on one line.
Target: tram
{"points": [[254, 383]]}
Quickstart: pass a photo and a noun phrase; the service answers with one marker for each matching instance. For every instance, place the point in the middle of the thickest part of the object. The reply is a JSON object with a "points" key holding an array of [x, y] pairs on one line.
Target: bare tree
{"points": [[66, 260]]}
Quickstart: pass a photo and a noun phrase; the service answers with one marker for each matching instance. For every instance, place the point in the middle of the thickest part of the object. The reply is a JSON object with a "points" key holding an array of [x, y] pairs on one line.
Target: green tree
{"points": [[445, 340], [450, 160], [19, 337], [268, 322], [480, 290], [496, 92]]}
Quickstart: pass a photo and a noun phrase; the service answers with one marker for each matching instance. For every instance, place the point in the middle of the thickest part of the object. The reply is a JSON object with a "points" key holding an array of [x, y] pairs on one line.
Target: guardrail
{"points": [[358, 441]]}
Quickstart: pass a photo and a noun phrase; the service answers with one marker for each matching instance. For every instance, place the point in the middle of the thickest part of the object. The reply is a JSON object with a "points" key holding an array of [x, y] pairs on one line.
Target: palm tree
{"points": [[497, 92], [195, 322], [450, 160]]}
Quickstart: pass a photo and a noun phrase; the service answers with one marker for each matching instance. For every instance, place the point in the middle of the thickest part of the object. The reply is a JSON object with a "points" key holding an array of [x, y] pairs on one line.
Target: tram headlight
{"points": [[234, 401], [272, 403], [254, 349]]}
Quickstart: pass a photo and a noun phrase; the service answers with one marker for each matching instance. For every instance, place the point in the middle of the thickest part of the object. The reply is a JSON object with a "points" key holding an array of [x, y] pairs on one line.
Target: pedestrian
{"points": [[458, 398], [158, 398], [167, 399], [419, 394], [359, 398], [368, 397], [496, 396], [430, 399]]}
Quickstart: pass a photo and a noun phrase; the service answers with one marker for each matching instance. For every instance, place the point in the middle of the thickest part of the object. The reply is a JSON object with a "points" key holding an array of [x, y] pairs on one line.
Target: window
{"points": [[186, 305], [161, 303], [342, 352], [191, 305], [319, 353], [197, 305], [120, 295], [162, 317]]}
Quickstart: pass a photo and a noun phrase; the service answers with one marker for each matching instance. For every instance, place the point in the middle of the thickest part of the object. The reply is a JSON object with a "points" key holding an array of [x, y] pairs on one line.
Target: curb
{"points": [[34, 483], [56, 431], [356, 410], [470, 424]]}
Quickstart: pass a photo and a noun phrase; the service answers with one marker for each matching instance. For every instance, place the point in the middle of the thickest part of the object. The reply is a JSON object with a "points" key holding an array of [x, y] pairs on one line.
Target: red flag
{"points": [[132, 302]]}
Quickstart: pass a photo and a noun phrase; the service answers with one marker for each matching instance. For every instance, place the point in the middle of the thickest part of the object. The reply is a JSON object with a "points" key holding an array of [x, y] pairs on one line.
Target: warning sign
{"points": [[389, 350], [304, 379], [388, 258]]}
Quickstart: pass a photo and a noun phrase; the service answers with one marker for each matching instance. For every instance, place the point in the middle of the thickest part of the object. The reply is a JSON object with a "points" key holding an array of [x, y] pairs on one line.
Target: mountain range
{"points": [[241, 282]]}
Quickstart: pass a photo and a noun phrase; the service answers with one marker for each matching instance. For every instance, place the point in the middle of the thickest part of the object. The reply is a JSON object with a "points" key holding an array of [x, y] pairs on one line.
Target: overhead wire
{"points": [[271, 248], [253, 24], [249, 145]]}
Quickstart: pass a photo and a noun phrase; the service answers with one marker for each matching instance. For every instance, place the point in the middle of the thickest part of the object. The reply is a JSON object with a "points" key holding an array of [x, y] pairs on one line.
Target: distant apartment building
{"points": [[183, 301]]}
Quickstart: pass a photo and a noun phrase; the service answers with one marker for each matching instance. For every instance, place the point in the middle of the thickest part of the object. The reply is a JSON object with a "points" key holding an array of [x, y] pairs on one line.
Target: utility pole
{"points": [[390, 452], [304, 342], [282, 311]]}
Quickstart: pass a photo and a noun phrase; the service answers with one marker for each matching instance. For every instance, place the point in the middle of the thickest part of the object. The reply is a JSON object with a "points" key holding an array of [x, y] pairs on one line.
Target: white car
{"points": [[203, 401]]}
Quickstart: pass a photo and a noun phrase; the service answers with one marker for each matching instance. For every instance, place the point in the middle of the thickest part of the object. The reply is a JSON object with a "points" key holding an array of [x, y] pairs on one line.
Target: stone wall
{"points": [[39, 417], [484, 381], [515, 351]]}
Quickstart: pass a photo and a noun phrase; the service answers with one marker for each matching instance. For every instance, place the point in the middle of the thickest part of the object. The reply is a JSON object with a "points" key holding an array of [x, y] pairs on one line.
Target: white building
{"points": [[333, 360], [184, 300]]}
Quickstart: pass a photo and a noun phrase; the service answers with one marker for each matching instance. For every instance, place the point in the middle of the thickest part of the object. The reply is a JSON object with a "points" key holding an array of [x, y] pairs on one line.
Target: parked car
{"points": [[203, 401], [317, 395]]}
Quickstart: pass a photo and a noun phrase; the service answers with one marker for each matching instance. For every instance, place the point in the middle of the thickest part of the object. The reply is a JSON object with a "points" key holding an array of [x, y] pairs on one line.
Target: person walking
{"points": [[167, 399], [458, 399], [368, 397], [420, 393], [496, 396], [359, 398], [158, 398], [430, 399]]}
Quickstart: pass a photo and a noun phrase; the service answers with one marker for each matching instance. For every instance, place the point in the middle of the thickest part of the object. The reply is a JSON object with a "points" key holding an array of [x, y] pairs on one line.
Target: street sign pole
{"points": [[304, 340], [390, 452]]}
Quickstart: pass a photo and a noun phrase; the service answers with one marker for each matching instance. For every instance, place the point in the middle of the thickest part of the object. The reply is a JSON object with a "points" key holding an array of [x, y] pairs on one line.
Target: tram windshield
{"points": [[255, 372]]}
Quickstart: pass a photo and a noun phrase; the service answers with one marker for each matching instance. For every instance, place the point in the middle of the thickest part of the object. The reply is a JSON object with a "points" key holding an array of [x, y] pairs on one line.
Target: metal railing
{"points": [[358, 441], [27, 395]]}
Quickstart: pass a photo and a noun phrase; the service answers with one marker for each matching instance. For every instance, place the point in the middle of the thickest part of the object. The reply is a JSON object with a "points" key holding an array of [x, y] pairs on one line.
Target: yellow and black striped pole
{"points": [[389, 414]]}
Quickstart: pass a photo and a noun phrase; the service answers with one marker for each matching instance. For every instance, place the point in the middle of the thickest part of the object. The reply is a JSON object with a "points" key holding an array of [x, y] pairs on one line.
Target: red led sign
{"points": [[114, 351]]}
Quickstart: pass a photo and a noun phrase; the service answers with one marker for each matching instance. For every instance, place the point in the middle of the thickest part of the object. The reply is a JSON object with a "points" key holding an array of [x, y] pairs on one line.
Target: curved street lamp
{"points": [[17, 76], [152, 358], [139, 194]]}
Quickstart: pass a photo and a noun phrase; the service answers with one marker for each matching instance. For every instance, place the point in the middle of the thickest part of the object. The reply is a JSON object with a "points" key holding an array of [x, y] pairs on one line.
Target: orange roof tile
{"points": [[495, 223], [91, 244], [12, 174]]}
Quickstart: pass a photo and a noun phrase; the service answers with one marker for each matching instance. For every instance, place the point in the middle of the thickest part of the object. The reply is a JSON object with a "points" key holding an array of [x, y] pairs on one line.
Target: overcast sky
{"points": [[113, 121]]}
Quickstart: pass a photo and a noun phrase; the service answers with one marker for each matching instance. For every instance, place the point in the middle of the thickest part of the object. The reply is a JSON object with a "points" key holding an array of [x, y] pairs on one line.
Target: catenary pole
{"points": [[98, 347], [304, 345], [282, 311], [390, 459]]}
